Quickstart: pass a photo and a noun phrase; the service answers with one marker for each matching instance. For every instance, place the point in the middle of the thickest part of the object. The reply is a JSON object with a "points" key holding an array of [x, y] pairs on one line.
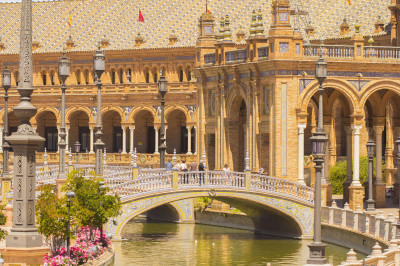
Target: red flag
{"points": [[141, 19]]}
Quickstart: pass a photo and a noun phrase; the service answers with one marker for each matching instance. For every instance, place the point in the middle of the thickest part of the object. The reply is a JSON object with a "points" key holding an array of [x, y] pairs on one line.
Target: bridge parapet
{"points": [[378, 229], [213, 179]]}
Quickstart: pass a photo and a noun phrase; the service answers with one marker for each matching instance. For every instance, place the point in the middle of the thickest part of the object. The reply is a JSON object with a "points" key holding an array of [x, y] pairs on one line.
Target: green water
{"points": [[151, 243]]}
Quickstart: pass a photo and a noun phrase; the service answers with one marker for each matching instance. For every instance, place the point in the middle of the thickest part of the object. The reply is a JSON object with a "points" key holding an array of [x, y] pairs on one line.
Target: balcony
{"points": [[330, 51], [381, 52], [237, 56], [209, 59]]}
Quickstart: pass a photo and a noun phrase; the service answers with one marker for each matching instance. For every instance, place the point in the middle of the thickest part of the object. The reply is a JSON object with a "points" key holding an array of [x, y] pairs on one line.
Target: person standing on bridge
{"points": [[201, 175], [226, 174], [169, 165]]}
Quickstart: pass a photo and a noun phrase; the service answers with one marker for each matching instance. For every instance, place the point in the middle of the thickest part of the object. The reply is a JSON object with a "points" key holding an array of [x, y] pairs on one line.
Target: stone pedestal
{"points": [[24, 256], [356, 195], [60, 183], [346, 186], [328, 194], [380, 195]]}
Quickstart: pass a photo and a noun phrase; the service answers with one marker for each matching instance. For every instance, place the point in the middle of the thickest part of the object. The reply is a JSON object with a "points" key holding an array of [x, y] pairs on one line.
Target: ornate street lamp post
{"points": [[6, 145], [70, 195], [318, 142], [77, 150], [162, 89], [63, 73], [102, 187], [24, 142], [99, 67], [371, 152]]}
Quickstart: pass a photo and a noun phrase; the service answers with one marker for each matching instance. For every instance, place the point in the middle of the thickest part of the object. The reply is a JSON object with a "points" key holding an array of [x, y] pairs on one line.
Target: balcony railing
{"points": [[209, 59], [263, 52], [236, 56], [330, 51], [381, 52]]}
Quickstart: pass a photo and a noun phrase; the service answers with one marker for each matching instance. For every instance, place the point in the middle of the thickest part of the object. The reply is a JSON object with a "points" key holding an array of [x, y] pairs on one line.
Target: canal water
{"points": [[159, 243]]}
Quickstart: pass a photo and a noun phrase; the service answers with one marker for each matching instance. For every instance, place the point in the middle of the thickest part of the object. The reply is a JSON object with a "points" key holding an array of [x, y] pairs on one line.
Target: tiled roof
{"points": [[117, 20]]}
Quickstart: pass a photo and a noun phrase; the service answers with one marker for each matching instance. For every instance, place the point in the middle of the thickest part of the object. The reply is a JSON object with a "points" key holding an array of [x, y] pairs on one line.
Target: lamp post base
{"points": [[317, 254], [370, 205]]}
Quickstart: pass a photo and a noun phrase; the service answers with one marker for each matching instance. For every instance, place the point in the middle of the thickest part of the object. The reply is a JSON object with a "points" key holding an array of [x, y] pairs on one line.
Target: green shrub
{"points": [[338, 174]]}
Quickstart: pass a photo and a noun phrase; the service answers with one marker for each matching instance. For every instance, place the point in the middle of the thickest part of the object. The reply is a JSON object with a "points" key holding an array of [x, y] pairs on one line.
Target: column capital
{"points": [[348, 129], [156, 127], [356, 129], [378, 129], [301, 127], [189, 127], [123, 128], [131, 127]]}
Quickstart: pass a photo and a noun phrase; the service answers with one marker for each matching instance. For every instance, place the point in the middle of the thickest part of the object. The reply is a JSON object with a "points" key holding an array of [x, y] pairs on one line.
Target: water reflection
{"points": [[151, 243]]}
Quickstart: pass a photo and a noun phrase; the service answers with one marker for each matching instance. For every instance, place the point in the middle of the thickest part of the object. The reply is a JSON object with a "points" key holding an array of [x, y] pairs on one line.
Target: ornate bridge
{"points": [[276, 206]]}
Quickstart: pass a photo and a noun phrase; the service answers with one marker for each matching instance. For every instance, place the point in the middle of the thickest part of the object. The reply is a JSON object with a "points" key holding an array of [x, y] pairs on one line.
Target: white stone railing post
{"points": [[356, 214], [344, 214], [332, 212]]}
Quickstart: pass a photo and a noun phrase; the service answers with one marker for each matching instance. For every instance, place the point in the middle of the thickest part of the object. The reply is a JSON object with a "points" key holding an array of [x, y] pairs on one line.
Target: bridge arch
{"points": [[295, 216]]}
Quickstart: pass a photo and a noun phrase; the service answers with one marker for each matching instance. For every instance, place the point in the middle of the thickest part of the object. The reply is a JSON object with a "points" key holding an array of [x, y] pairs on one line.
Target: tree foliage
{"points": [[51, 217], [338, 174], [91, 208], [3, 220]]}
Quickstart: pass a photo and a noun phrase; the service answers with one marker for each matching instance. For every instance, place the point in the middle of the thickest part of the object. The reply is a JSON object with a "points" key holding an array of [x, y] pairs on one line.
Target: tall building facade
{"points": [[239, 81]]}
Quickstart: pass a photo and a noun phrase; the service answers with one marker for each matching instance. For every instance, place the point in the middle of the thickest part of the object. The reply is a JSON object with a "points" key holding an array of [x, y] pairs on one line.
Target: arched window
{"points": [[86, 74], [44, 78], [155, 75], [121, 76], [52, 79], [113, 76], [180, 74], [129, 75], [188, 74], [147, 75], [78, 77]]}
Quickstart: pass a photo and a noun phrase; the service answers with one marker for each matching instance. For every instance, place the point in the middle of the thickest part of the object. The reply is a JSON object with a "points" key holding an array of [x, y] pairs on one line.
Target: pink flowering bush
{"points": [[88, 246]]}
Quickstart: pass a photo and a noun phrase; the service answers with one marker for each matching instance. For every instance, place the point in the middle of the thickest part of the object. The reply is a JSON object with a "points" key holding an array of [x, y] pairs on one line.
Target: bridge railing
{"points": [[117, 178], [143, 185], [211, 178], [282, 186], [151, 172]]}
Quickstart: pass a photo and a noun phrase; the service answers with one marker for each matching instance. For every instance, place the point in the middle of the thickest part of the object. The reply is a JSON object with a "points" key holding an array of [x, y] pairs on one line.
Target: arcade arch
{"points": [[79, 130], [112, 131]]}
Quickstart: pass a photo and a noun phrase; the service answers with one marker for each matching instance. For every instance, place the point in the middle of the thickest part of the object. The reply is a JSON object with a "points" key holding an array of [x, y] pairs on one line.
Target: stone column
{"points": [[380, 198], [1, 139], [349, 160], [123, 140], [356, 190], [157, 140], [91, 139], [189, 150], [301, 127], [195, 142], [131, 131], [67, 138]]}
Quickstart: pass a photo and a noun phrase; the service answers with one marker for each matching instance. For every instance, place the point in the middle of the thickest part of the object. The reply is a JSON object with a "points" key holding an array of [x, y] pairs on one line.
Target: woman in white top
{"points": [[226, 175]]}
